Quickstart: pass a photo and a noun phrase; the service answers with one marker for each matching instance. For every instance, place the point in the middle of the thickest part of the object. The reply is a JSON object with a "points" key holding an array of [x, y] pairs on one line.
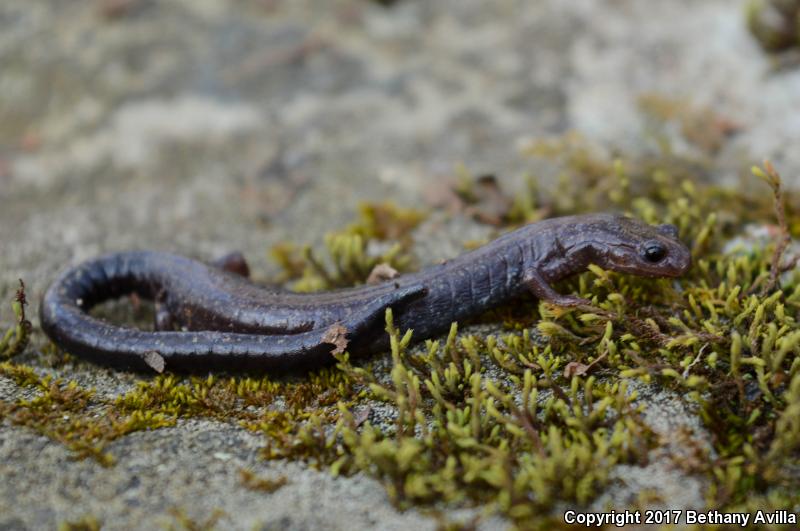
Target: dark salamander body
{"points": [[227, 322]]}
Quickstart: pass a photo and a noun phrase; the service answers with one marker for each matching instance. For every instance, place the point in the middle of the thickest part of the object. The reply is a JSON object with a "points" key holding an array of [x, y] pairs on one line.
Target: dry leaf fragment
{"points": [[381, 272], [575, 368], [335, 335], [155, 361], [362, 416]]}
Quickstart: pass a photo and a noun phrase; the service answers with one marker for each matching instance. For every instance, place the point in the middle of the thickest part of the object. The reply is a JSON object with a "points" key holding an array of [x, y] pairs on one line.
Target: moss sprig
{"points": [[16, 339]]}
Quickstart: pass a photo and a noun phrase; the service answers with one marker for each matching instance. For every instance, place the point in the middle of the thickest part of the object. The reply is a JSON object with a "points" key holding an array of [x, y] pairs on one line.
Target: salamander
{"points": [[211, 317]]}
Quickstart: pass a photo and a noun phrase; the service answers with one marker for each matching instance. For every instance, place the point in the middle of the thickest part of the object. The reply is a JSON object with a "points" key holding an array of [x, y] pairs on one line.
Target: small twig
{"points": [[22, 300], [528, 422], [558, 391], [790, 264], [694, 361], [525, 420], [651, 368], [17, 338], [636, 325], [600, 358], [575, 368]]}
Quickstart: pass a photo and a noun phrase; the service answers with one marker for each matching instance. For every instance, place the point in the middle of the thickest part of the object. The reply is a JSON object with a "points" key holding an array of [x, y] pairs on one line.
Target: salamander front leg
{"points": [[541, 289]]}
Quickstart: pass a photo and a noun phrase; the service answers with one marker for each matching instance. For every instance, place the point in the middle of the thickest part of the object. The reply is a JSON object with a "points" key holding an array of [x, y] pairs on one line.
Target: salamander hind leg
{"points": [[371, 316]]}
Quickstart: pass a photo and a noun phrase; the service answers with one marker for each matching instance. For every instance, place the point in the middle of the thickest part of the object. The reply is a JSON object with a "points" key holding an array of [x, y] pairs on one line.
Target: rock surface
{"points": [[205, 126]]}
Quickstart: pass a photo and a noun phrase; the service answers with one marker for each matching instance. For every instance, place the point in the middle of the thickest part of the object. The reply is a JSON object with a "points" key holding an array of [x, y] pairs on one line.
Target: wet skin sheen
{"points": [[227, 322]]}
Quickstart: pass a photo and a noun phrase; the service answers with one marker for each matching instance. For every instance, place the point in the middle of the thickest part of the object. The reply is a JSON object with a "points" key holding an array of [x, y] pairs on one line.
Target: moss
{"points": [[15, 340], [70, 414], [252, 481], [464, 433], [182, 522], [86, 423], [445, 524], [87, 523]]}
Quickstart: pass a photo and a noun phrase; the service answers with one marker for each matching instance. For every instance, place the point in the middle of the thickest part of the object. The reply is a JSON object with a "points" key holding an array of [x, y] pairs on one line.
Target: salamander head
{"points": [[632, 246]]}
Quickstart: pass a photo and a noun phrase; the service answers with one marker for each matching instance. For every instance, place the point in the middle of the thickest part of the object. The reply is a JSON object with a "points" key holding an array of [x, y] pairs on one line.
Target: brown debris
{"points": [[381, 273], [575, 368], [336, 335], [30, 141], [253, 482], [155, 361], [264, 60], [362, 416]]}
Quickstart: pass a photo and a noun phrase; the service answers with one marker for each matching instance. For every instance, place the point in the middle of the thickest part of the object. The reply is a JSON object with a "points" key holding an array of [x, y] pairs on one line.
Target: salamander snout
{"points": [[646, 250]]}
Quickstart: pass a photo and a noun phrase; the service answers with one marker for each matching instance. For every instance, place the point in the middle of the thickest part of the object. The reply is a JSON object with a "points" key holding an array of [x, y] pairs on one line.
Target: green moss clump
{"points": [[85, 423], [252, 481], [464, 432], [71, 414], [87, 523], [182, 521]]}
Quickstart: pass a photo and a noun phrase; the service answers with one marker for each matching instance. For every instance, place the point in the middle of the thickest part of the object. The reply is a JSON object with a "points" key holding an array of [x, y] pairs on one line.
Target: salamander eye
{"points": [[654, 251]]}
